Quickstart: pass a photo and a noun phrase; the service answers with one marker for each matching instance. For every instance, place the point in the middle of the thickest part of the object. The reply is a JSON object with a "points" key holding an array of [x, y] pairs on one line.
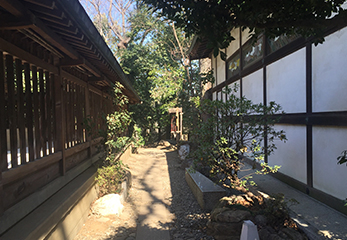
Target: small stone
{"points": [[264, 234], [233, 216], [103, 219], [260, 220], [270, 229], [108, 204], [130, 238], [275, 237], [176, 235], [292, 234], [220, 228], [222, 237]]}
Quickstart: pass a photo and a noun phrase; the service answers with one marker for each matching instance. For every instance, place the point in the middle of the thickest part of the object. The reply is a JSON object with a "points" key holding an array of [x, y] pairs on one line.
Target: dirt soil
{"points": [[185, 219]]}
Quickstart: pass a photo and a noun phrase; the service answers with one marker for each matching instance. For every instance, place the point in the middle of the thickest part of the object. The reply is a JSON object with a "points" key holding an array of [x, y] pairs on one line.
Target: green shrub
{"points": [[235, 129], [111, 170]]}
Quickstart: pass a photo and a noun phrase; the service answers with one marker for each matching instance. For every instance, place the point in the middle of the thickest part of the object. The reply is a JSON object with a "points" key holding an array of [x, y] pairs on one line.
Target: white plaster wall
{"points": [[329, 73], [286, 82], [252, 86], [214, 96], [291, 155], [219, 96], [231, 86], [220, 70], [234, 45], [328, 176]]}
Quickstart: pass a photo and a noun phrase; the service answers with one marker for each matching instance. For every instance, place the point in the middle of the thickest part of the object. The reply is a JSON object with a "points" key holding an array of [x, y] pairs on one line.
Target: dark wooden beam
{"points": [[8, 22], [43, 3], [54, 39], [71, 77], [72, 62], [14, 7], [61, 22], [17, 9], [46, 11], [95, 79], [27, 57], [14, 174], [92, 69]]}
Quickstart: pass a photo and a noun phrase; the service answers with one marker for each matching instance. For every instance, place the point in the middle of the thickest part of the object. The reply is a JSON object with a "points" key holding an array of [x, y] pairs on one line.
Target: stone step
{"points": [[206, 192]]}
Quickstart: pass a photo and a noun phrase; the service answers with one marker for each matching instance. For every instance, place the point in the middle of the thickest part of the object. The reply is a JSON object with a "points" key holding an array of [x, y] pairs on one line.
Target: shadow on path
{"points": [[160, 205]]}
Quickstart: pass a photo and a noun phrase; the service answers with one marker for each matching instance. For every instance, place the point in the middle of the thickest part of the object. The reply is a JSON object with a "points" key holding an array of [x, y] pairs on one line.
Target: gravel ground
{"points": [[188, 220]]}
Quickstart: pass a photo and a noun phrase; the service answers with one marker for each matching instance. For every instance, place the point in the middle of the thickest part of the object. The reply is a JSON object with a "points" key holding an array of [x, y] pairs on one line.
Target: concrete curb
{"points": [[125, 186], [310, 231]]}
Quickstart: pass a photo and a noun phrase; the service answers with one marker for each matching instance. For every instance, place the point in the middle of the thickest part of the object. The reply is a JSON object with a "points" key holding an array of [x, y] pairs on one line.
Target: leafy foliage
{"points": [[192, 92], [277, 210], [111, 170], [214, 19], [236, 129], [342, 158], [153, 63]]}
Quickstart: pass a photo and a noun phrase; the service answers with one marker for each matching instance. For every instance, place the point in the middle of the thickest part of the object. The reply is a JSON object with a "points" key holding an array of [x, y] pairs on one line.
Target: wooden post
{"points": [[3, 114], [36, 112], [29, 112], [3, 140], [43, 114], [54, 119], [48, 112], [60, 121], [20, 111], [87, 115], [181, 125], [11, 110]]}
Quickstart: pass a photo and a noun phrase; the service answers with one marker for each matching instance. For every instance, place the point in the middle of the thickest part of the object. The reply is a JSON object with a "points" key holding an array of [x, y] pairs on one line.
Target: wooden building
{"points": [[309, 82], [56, 76]]}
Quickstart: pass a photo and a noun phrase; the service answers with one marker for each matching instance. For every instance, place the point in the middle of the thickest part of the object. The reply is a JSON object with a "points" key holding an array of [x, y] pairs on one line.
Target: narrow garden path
{"points": [[160, 204]]}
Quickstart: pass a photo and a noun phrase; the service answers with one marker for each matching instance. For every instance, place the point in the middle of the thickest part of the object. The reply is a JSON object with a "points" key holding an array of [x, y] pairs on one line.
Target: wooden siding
{"points": [[44, 128]]}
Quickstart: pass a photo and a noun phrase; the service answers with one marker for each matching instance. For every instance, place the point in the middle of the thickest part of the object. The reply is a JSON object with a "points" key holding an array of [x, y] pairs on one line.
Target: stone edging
{"points": [[125, 186]]}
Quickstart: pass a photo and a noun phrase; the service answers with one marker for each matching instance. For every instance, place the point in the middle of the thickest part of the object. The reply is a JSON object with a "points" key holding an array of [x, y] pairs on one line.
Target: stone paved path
{"points": [[153, 184], [160, 205]]}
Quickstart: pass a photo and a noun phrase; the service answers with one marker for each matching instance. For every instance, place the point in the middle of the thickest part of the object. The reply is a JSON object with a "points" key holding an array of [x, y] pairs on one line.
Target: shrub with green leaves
{"points": [[236, 129], [111, 170]]}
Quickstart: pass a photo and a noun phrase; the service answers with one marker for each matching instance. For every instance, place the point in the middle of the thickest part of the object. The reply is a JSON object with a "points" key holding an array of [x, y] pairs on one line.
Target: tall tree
{"points": [[214, 19], [111, 19], [154, 60]]}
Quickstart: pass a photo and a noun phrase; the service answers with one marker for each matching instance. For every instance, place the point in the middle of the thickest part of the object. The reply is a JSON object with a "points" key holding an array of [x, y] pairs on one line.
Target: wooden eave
{"points": [[199, 49], [64, 27]]}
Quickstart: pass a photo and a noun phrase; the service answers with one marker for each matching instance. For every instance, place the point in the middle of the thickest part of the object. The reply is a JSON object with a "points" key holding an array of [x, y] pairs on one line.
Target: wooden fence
{"points": [[49, 123]]}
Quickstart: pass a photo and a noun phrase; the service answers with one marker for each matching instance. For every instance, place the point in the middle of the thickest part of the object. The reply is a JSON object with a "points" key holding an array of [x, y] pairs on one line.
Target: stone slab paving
{"points": [[160, 203], [153, 180], [314, 215]]}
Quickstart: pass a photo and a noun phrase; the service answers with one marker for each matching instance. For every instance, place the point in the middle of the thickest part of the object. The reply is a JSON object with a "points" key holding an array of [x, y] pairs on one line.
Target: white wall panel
{"points": [[214, 96], [329, 73], [220, 70], [252, 86], [232, 85], [328, 176], [286, 82], [291, 155], [234, 45]]}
